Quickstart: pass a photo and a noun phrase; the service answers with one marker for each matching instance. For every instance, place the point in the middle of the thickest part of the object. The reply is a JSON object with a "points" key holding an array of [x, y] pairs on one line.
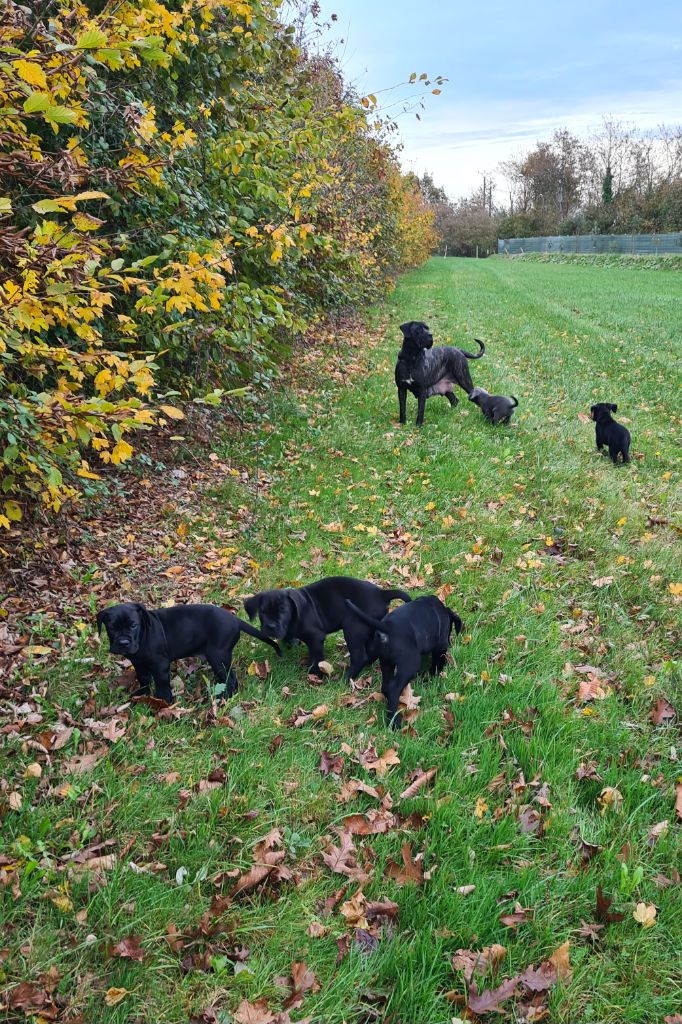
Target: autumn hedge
{"points": [[182, 191]]}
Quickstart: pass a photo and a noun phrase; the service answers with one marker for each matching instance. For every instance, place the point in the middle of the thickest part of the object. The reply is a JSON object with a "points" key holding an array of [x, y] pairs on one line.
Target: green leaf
{"points": [[117, 264], [92, 40], [47, 206], [37, 101], [54, 477], [61, 115]]}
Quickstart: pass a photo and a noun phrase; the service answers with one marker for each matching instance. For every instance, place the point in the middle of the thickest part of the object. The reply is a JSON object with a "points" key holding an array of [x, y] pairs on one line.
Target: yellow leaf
{"points": [[115, 995], [86, 472], [121, 452], [38, 649], [326, 668], [90, 194], [172, 413], [609, 797], [33, 771], [15, 801], [13, 511], [480, 808], [645, 914], [31, 73], [84, 222], [5, 205], [674, 588], [62, 903]]}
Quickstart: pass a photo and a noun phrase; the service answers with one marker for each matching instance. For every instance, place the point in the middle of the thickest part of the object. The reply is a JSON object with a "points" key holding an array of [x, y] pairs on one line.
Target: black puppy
{"points": [[151, 640], [614, 435], [402, 638], [311, 613], [495, 408], [426, 371]]}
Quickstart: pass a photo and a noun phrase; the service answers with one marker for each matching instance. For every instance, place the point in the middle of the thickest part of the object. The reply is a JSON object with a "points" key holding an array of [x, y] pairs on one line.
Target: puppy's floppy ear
{"points": [[251, 605], [614, 408], [143, 612], [407, 328], [101, 620]]}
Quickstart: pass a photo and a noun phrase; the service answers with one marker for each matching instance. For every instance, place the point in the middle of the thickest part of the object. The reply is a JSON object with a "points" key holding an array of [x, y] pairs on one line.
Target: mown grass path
{"points": [[566, 571]]}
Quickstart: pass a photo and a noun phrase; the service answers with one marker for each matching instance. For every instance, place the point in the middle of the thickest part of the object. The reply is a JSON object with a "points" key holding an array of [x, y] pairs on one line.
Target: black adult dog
{"points": [[614, 435], [402, 638], [151, 640], [495, 408], [427, 371], [311, 613]]}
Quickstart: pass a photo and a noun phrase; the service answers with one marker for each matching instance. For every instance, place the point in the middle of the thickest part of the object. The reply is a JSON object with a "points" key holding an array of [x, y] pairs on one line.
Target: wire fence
{"points": [[637, 245]]}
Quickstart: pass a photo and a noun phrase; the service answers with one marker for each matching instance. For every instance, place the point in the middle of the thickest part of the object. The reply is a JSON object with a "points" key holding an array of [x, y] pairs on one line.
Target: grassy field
{"points": [[552, 776]]}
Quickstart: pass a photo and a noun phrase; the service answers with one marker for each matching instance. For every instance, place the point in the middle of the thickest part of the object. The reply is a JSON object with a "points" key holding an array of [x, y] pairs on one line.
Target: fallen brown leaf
{"points": [[420, 779], [602, 912], [129, 948], [662, 712], [253, 1013], [331, 763], [490, 1000], [342, 859], [409, 871], [518, 916]]}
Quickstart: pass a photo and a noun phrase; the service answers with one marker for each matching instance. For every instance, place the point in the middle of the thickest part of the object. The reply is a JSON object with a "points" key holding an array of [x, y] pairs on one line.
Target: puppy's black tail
{"points": [[515, 400], [246, 627], [456, 621], [470, 355], [397, 595], [626, 450], [363, 615]]}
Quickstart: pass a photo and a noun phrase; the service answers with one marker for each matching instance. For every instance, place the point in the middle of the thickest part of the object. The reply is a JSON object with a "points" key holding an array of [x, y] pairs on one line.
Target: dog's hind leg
{"points": [[613, 452], [221, 663], [359, 658], [438, 659], [452, 398]]}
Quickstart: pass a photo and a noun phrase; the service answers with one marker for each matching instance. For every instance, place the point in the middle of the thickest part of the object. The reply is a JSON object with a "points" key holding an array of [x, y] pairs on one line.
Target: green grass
{"points": [[479, 505]]}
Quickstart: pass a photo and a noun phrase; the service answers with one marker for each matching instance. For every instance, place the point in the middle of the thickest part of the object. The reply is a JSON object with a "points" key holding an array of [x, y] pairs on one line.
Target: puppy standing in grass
{"points": [[426, 371], [151, 640], [614, 435], [311, 613], [495, 408], [402, 638]]}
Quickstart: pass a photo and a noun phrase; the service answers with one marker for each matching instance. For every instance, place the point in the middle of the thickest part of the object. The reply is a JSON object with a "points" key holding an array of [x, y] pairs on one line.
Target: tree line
{"points": [[618, 180]]}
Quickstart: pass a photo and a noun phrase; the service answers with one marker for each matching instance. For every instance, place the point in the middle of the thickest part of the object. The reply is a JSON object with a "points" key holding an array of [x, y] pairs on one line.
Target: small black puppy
{"points": [[402, 638], [311, 613], [614, 435], [151, 640], [495, 408], [425, 371]]}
